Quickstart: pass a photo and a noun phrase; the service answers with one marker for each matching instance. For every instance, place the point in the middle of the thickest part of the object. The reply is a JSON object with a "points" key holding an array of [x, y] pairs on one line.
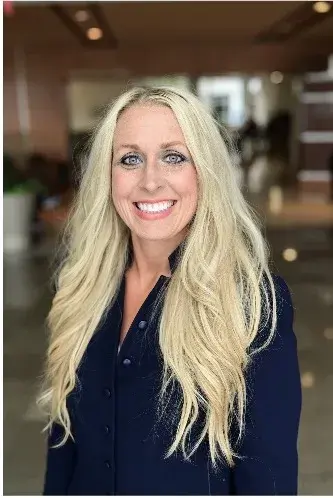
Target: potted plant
{"points": [[19, 194]]}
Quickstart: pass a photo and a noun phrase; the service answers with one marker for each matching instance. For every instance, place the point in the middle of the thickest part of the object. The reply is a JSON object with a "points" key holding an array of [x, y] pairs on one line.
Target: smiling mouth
{"points": [[154, 207]]}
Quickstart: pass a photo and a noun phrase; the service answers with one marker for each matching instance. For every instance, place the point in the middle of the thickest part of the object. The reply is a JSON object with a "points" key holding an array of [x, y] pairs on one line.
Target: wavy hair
{"points": [[219, 298]]}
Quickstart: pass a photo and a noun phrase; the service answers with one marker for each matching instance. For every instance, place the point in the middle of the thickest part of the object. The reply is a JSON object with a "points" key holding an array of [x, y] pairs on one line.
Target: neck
{"points": [[150, 257]]}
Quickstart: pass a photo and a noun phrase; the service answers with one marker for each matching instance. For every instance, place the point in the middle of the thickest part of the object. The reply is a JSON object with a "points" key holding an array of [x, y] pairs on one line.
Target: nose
{"points": [[152, 178]]}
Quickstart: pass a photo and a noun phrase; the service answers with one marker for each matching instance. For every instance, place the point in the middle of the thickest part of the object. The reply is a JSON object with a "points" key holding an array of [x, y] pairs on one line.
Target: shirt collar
{"points": [[174, 257]]}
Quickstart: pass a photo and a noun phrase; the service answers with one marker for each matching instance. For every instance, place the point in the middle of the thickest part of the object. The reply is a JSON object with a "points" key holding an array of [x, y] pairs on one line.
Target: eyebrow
{"points": [[162, 146]]}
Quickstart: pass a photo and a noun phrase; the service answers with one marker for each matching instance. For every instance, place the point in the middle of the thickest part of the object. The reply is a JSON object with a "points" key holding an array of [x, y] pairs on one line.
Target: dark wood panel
{"points": [[315, 156], [323, 86], [317, 117]]}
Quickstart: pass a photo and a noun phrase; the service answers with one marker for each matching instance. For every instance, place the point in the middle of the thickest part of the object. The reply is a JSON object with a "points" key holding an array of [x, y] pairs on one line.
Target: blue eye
{"points": [[133, 160], [175, 158], [130, 160]]}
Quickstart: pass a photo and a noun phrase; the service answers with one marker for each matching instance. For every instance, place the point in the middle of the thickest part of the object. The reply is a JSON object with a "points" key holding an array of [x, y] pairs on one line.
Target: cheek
{"points": [[121, 186], [188, 186]]}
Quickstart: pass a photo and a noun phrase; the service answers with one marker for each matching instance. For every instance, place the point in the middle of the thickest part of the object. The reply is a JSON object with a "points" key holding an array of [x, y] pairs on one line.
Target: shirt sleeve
{"points": [[60, 463], [268, 450]]}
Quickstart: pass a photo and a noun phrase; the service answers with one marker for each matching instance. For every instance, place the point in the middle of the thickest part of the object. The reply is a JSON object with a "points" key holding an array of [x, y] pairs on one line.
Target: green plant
{"points": [[14, 181]]}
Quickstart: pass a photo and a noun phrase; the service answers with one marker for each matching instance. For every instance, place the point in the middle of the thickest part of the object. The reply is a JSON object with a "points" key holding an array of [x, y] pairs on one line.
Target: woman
{"points": [[172, 366]]}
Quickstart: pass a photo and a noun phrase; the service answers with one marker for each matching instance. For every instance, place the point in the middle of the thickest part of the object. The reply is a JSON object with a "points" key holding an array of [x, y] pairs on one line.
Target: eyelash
{"points": [[131, 155]]}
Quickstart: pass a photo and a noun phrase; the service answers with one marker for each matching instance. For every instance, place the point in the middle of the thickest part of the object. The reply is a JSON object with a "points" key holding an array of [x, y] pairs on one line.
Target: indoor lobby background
{"points": [[265, 69]]}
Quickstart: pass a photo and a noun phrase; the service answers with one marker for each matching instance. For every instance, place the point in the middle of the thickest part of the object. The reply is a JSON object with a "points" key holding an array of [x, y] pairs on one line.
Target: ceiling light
{"points": [[276, 77], [94, 33], [81, 16], [290, 254], [321, 7]]}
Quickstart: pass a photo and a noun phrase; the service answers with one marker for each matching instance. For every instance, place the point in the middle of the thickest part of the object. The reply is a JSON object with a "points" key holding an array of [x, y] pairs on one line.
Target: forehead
{"points": [[154, 120]]}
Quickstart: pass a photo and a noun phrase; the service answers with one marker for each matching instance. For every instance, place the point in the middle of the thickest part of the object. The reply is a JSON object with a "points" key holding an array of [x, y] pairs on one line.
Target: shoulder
{"points": [[281, 289], [284, 305], [283, 334], [273, 360]]}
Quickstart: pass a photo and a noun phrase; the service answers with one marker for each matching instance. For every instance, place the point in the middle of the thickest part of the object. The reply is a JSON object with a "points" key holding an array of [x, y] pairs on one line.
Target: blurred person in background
{"points": [[172, 365], [277, 136], [248, 142]]}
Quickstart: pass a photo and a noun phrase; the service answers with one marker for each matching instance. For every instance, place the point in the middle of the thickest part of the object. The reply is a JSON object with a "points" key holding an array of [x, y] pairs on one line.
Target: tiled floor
{"points": [[310, 277]]}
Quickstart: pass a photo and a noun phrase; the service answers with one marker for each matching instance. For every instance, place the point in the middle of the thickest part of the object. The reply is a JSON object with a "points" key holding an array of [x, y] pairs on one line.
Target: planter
{"points": [[17, 218]]}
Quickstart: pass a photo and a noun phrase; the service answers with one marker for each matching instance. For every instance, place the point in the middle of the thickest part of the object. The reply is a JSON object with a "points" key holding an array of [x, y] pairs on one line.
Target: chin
{"points": [[154, 235]]}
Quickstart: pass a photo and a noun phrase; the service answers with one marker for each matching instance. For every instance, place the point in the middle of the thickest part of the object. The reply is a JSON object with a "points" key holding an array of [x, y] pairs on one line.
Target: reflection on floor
{"points": [[280, 208], [303, 255]]}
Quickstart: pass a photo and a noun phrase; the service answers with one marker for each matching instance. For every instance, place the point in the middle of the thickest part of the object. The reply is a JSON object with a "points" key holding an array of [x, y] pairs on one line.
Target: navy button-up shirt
{"points": [[120, 443]]}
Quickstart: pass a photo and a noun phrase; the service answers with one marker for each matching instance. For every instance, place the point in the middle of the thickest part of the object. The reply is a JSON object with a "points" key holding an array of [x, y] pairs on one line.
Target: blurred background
{"points": [[265, 69]]}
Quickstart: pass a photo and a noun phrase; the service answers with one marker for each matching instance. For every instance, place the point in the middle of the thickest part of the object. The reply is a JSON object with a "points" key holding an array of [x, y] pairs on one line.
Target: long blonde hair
{"points": [[214, 302]]}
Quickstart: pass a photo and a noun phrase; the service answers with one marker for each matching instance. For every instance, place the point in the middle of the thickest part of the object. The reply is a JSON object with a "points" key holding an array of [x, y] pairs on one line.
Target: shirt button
{"points": [[126, 362], [107, 392], [142, 325], [107, 429], [107, 464]]}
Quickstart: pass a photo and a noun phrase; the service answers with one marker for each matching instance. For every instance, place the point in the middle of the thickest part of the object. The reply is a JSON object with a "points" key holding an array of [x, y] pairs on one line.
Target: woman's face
{"points": [[154, 181]]}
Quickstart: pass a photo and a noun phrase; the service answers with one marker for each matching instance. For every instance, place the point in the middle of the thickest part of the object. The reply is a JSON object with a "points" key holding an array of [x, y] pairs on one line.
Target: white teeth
{"points": [[154, 208]]}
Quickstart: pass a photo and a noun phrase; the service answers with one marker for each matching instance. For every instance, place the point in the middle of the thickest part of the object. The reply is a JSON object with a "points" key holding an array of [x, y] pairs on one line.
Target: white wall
{"points": [[179, 81], [86, 97]]}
